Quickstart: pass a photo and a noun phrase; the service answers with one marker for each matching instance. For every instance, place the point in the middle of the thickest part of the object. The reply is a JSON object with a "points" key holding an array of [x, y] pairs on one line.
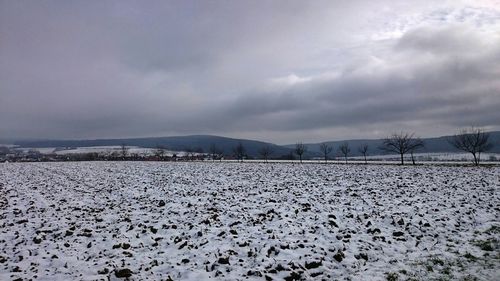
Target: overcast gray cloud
{"points": [[272, 70]]}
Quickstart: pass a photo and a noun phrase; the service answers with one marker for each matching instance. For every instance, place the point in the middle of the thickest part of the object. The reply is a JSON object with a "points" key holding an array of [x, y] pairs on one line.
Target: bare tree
{"points": [[159, 152], [345, 150], [472, 140], [266, 151], [415, 144], [123, 151], [189, 153], [363, 149], [239, 151], [325, 149], [220, 154], [401, 143], [300, 149], [199, 153], [214, 151]]}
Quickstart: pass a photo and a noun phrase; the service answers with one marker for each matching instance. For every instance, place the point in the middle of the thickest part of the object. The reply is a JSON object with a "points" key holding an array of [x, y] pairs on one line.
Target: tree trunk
{"points": [[365, 160], [412, 158], [402, 160], [475, 159]]}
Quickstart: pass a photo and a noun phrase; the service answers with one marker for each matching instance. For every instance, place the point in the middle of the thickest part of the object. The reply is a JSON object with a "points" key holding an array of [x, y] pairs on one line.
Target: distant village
{"points": [[14, 154]]}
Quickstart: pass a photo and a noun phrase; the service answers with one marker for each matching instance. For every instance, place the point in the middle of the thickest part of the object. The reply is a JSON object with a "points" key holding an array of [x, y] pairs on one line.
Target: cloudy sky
{"points": [[281, 71]]}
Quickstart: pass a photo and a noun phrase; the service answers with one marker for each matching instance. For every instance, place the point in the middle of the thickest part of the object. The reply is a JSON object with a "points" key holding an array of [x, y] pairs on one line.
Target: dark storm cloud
{"points": [[266, 70], [456, 86]]}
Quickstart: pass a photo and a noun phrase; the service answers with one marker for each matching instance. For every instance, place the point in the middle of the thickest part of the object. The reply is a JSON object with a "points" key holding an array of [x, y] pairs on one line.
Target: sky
{"points": [[278, 71]]}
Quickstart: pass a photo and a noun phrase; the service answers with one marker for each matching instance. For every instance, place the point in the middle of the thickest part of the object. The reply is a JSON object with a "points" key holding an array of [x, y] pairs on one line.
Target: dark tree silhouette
{"points": [[123, 151], [266, 151], [189, 153], [300, 149], [415, 144], [159, 152], [345, 150], [215, 152], [401, 143], [220, 154], [199, 153], [239, 151], [363, 149], [325, 149], [472, 140]]}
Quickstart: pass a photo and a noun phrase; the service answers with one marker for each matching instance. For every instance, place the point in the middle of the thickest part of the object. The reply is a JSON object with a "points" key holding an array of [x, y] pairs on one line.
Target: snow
{"points": [[247, 221], [107, 150], [8, 145], [104, 150], [42, 150], [434, 156]]}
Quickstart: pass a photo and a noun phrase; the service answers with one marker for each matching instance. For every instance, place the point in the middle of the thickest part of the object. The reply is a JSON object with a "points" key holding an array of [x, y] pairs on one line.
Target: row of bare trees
{"points": [[326, 149], [472, 140]]}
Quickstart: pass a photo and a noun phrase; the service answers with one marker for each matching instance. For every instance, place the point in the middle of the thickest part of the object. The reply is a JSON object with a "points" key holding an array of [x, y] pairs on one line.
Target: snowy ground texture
{"points": [[230, 221]]}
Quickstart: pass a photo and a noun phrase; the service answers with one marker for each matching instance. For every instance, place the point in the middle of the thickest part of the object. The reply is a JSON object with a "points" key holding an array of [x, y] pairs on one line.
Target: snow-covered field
{"points": [[248, 221]]}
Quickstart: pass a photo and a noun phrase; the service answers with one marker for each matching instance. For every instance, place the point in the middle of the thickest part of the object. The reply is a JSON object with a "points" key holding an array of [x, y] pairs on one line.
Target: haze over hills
{"points": [[175, 143], [182, 143]]}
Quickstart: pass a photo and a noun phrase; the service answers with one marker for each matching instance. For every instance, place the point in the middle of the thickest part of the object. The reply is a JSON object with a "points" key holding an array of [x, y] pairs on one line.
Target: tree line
{"points": [[471, 140]]}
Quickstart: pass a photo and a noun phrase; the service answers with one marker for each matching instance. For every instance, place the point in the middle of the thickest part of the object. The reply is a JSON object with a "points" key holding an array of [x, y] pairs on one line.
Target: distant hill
{"points": [[177, 143], [439, 144], [181, 143]]}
